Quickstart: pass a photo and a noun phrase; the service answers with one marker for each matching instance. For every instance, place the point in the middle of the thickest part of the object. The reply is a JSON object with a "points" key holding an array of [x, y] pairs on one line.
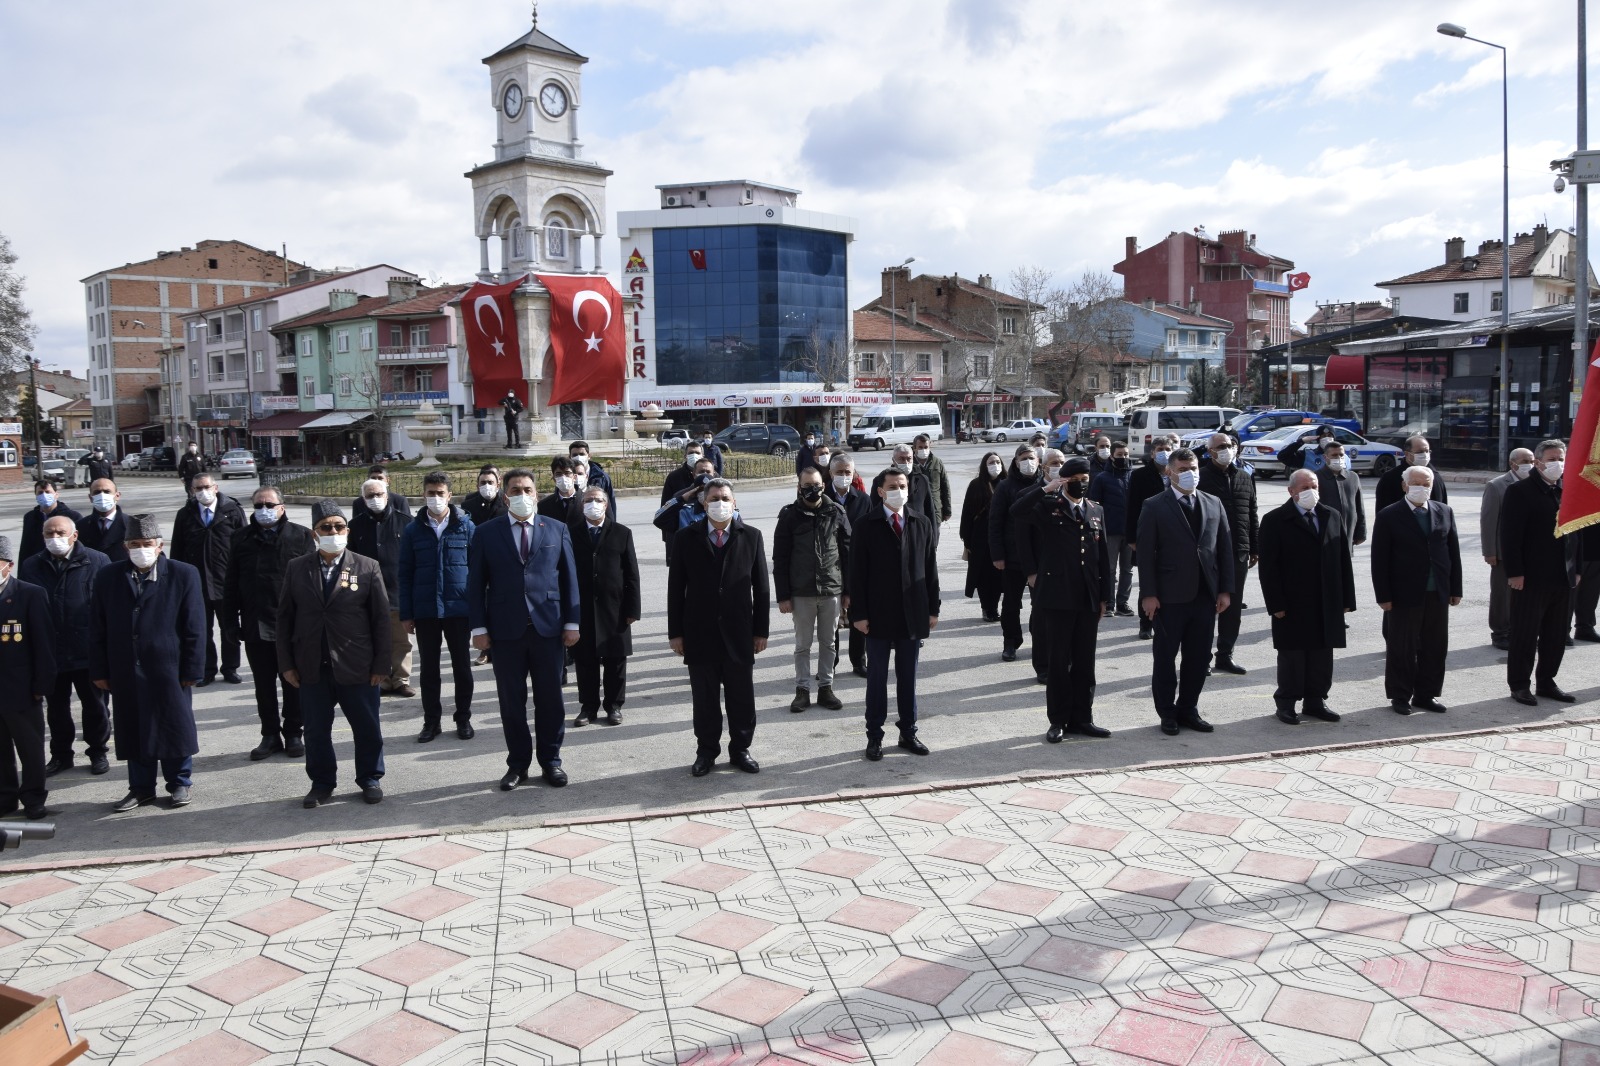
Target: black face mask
{"points": [[1120, 463], [1077, 489], [810, 493]]}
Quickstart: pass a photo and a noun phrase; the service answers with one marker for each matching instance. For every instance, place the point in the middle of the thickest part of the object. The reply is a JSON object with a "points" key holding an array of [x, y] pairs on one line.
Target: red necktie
{"points": [[717, 537], [896, 523], [524, 526]]}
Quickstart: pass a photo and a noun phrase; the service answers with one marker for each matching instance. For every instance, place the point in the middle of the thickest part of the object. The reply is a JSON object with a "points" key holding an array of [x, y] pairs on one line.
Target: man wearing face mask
{"points": [[66, 571], [251, 589], [931, 467], [28, 663], [1109, 488], [810, 551], [608, 589], [844, 489], [488, 502], [147, 647], [806, 456], [919, 487], [565, 504], [1343, 488], [982, 578], [1309, 586], [202, 536], [377, 472], [588, 471], [1541, 572], [1221, 477], [513, 407], [678, 477], [718, 602], [333, 645], [1051, 462], [1100, 460], [375, 532], [1061, 542], [47, 497], [684, 508], [190, 465], [710, 450], [1186, 559], [96, 466], [1416, 577], [432, 582], [1146, 483], [1494, 494], [1023, 475], [1391, 486], [104, 528]]}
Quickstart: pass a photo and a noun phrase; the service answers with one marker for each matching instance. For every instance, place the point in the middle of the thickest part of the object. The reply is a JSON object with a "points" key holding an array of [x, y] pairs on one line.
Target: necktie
{"points": [[1311, 520], [524, 528], [205, 516], [899, 530], [717, 537], [594, 534]]}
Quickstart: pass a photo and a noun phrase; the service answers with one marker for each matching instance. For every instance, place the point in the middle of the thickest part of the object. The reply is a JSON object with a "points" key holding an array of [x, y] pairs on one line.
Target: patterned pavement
{"points": [[1425, 903]]}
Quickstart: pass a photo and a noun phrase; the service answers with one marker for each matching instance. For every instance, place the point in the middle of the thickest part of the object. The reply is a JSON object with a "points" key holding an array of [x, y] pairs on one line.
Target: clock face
{"points": [[512, 101], [553, 98]]}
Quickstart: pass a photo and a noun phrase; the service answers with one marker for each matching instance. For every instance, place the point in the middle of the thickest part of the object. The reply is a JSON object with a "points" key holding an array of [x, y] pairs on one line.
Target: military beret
{"points": [[327, 509], [143, 527], [1075, 465]]}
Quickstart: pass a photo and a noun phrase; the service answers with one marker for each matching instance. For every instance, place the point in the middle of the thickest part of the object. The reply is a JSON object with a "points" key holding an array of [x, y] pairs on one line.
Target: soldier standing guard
{"points": [[28, 664]]}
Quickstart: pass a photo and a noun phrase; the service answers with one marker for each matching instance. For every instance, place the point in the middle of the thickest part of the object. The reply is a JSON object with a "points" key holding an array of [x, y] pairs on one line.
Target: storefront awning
{"points": [[335, 420], [1346, 372], [284, 424]]}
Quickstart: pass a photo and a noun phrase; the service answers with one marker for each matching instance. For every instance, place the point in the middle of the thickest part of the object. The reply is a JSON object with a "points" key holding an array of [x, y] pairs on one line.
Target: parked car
{"points": [[131, 460], [763, 438], [54, 470], [1018, 429], [1253, 424], [158, 458], [1147, 423], [1366, 456], [238, 463], [676, 437], [70, 456], [1079, 432]]}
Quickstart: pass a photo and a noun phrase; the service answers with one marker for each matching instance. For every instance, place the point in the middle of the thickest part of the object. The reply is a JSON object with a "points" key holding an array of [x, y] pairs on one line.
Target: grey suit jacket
{"points": [[354, 619], [1494, 493], [1173, 562]]}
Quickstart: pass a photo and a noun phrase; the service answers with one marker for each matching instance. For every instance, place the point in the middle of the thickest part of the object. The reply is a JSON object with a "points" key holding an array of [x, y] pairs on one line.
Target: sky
{"points": [[981, 136]]}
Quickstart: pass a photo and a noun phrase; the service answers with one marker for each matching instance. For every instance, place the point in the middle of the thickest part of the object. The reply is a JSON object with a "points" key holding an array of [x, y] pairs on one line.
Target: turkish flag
{"points": [[1299, 281], [587, 335], [493, 351], [1580, 480], [697, 256]]}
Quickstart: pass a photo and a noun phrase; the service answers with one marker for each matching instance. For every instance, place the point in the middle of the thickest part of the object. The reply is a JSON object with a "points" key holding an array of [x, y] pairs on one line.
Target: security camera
{"points": [[1561, 183]]}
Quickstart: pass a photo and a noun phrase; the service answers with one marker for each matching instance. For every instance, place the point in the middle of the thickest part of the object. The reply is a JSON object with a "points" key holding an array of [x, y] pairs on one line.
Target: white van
{"points": [[893, 424], [1147, 423]]}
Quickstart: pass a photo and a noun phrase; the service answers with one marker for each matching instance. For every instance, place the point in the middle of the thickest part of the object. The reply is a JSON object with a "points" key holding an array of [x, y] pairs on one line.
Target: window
{"points": [[1174, 372], [1216, 340], [555, 237], [1463, 303], [397, 380], [1011, 364], [1494, 301], [342, 341], [924, 363], [519, 249], [420, 335], [396, 336], [8, 453], [259, 363], [1008, 324], [305, 347], [1189, 337], [194, 368], [944, 363], [255, 320], [869, 362], [344, 385], [367, 335], [311, 386], [1394, 303], [211, 263], [898, 362], [1172, 338], [1155, 376], [1092, 381], [425, 379], [980, 366]]}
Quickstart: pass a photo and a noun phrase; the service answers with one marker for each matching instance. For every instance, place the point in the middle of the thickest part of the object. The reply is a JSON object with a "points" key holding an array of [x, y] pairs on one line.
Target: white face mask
{"points": [[720, 510], [1053, 471], [58, 545], [207, 497], [995, 469], [1418, 495], [904, 468], [1224, 456], [922, 454], [486, 491], [1419, 459], [267, 516], [810, 441], [1552, 470], [1520, 470], [193, 449], [1336, 463], [1188, 480], [895, 498], [564, 485], [377, 503], [1102, 454], [1161, 457], [332, 543], [1308, 498], [437, 504], [521, 506], [842, 482], [103, 501], [143, 558], [690, 459], [594, 510], [1027, 467]]}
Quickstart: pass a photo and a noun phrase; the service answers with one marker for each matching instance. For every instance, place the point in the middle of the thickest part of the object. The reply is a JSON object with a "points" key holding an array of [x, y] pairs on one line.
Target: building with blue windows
{"points": [[743, 306], [1171, 340]]}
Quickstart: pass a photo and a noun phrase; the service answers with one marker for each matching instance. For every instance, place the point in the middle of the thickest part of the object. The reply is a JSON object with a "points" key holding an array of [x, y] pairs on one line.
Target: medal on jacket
{"points": [[347, 581], [11, 631]]}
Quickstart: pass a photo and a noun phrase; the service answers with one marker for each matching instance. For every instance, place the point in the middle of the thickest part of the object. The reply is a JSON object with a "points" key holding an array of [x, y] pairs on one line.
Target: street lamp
{"points": [[1450, 29], [33, 398], [894, 313]]}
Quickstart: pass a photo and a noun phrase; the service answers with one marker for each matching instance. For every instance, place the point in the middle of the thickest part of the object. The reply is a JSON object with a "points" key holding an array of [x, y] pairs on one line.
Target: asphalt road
{"points": [[981, 717]]}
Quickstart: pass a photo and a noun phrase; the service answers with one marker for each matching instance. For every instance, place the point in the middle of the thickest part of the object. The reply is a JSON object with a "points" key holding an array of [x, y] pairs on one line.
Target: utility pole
{"points": [[1580, 299], [33, 398]]}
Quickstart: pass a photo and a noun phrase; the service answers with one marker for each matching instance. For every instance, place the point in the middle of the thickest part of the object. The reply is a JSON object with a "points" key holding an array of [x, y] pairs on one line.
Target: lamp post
{"points": [[1450, 29], [894, 313], [33, 398]]}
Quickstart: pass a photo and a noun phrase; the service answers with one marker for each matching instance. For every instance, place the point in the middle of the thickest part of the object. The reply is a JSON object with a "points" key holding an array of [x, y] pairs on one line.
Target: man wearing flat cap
{"points": [[1062, 551], [147, 647], [27, 662], [333, 645]]}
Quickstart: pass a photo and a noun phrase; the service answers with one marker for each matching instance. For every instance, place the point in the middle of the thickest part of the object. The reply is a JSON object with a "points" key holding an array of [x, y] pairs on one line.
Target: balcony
{"points": [[233, 335], [416, 353], [1270, 286], [1259, 315], [413, 399]]}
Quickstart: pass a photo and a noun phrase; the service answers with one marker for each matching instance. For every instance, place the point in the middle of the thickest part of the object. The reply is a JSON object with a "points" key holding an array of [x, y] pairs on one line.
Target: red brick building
{"points": [[1226, 277]]}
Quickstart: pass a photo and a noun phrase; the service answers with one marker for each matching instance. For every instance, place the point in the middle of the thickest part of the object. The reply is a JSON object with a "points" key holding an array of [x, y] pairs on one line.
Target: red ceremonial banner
{"points": [[1299, 281], [493, 350], [587, 335], [697, 256], [1580, 481]]}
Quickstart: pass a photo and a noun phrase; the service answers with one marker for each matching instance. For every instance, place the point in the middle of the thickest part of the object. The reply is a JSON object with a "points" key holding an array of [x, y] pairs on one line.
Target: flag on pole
{"points": [[1580, 486]]}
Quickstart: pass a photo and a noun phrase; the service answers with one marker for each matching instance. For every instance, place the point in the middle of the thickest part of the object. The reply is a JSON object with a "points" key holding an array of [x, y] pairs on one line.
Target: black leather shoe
{"points": [[582, 718], [232, 677], [1429, 705], [1553, 692], [702, 765], [1587, 633], [913, 745], [1524, 697], [180, 797], [1169, 726], [294, 747], [1196, 723], [742, 760], [1287, 716], [204, 681], [1321, 712], [316, 798], [1502, 644], [1400, 706], [512, 779], [465, 731], [1146, 633], [613, 717], [33, 814], [372, 794], [858, 669], [268, 746], [56, 766], [132, 800], [1228, 666], [99, 765], [874, 750], [827, 700], [1008, 655], [1041, 679], [1089, 729], [1054, 734], [430, 730], [991, 618], [554, 776]]}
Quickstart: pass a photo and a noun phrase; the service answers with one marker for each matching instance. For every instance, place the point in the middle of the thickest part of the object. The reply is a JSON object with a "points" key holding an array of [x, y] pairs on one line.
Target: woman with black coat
{"points": [[982, 577]]}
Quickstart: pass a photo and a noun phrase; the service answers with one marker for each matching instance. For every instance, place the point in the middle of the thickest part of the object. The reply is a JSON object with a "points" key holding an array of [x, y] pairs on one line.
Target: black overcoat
{"points": [[894, 580], [27, 658], [1308, 576], [718, 605], [608, 587], [206, 548], [68, 590]]}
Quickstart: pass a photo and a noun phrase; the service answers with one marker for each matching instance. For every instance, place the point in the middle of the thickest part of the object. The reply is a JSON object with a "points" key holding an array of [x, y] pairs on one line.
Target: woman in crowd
{"points": [[982, 577]]}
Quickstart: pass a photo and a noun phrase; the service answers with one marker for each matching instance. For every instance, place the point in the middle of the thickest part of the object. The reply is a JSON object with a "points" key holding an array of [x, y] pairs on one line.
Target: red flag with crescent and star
{"points": [[1299, 281], [1580, 482], [588, 338], [493, 350]]}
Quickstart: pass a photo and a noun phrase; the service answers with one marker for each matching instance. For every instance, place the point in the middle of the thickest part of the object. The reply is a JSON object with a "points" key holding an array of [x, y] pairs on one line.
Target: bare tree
{"points": [[17, 330], [366, 381], [1090, 325], [822, 354]]}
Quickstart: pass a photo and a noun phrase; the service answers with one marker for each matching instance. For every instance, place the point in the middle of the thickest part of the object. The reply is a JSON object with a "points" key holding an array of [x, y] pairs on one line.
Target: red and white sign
{"points": [[587, 337], [763, 400], [636, 264]]}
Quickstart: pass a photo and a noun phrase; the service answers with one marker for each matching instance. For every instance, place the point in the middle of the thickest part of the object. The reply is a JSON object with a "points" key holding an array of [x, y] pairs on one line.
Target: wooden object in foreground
{"points": [[35, 1030]]}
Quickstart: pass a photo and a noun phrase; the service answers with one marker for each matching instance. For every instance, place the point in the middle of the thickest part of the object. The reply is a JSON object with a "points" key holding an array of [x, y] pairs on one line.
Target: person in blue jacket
{"points": [[432, 589], [1110, 490]]}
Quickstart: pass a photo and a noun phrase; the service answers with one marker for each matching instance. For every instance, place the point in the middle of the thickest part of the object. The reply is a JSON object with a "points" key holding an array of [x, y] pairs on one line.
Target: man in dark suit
{"points": [[1063, 548], [202, 536], [1541, 573], [1494, 494], [588, 471], [1392, 487], [1223, 478], [1185, 556], [333, 645], [1022, 475], [894, 603], [842, 491], [1309, 586], [66, 571], [251, 591], [522, 601], [718, 608], [376, 529], [488, 502], [104, 529], [1416, 576], [1146, 483], [397, 502], [147, 648], [1343, 488], [565, 502], [608, 588], [47, 495], [28, 664]]}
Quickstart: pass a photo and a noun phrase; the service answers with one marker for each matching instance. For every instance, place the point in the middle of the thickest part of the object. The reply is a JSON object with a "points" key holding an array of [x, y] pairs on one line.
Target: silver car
{"points": [[237, 463], [1366, 456]]}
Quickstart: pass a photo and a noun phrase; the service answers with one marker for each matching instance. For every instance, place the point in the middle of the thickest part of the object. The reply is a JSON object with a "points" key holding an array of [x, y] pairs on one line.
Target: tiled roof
{"points": [[268, 294], [873, 325], [540, 42], [942, 325], [994, 294], [425, 302], [1524, 254], [1338, 315], [1184, 316]]}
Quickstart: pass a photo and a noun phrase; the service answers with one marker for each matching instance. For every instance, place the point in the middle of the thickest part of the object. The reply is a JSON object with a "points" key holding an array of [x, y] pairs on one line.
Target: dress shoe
{"points": [[1147, 633], [465, 731], [802, 700], [204, 681], [874, 750], [1587, 633], [1500, 644], [909, 742], [554, 776], [1054, 734], [1429, 704], [1524, 697], [1169, 726], [99, 765], [1193, 721], [1287, 716], [582, 718], [987, 617], [702, 765], [482, 660], [295, 748], [613, 717], [1008, 655], [1553, 692], [1400, 706], [33, 814], [1321, 711], [232, 677], [405, 692], [55, 766], [859, 669], [512, 779], [430, 730], [743, 760], [1041, 679], [268, 746], [180, 797], [826, 699], [316, 798], [132, 800], [1089, 729], [372, 794], [1228, 666]]}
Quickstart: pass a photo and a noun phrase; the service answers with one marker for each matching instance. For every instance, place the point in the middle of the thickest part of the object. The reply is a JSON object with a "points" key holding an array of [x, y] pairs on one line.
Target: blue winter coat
{"points": [[432, 576], [1110, 490], [68, 589]]}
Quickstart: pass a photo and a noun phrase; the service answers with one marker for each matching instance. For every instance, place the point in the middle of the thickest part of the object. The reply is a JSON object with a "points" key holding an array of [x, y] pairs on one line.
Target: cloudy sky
{"points": [[977, 135]]}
